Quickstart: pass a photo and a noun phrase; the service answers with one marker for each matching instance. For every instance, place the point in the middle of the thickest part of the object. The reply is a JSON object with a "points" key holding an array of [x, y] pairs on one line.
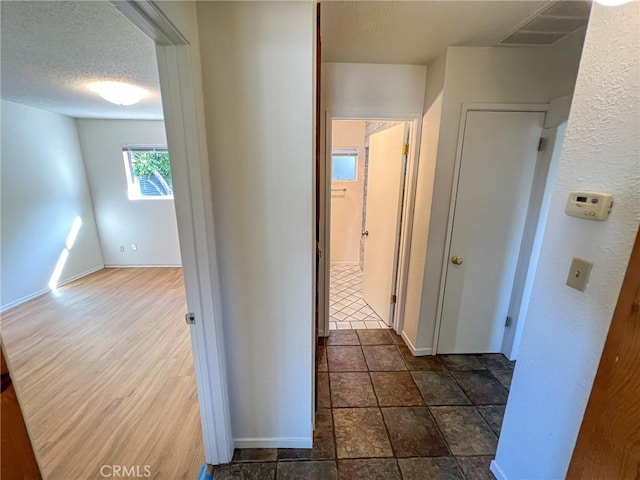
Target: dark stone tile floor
{"points": [[384, 414]]}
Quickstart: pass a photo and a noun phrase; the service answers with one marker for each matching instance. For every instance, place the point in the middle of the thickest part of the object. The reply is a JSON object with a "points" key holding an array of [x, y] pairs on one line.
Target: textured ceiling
{"points": [[415, 32], [51, 50]]}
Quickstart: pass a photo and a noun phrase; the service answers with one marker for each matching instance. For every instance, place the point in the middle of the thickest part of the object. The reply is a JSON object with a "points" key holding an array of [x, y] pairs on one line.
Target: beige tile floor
{"points": [[347, 308]]}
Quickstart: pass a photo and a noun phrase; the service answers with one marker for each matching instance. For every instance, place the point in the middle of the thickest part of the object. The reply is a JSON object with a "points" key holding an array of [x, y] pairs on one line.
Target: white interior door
{"points": [[498, 160], [384, 184]]}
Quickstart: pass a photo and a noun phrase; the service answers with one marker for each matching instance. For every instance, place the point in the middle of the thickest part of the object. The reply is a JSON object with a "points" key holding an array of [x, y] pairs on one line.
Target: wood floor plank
{"points": [[104, 370]]}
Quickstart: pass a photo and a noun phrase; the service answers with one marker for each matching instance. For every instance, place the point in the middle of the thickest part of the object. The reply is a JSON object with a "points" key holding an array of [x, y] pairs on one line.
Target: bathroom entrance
{"points": [[366, 165]]}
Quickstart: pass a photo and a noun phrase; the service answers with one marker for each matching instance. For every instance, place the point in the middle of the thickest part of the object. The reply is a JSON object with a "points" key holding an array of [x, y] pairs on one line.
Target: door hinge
{"points": [[541, 144], [507, 322], [190, 318], [405, 149], [393, 299]]}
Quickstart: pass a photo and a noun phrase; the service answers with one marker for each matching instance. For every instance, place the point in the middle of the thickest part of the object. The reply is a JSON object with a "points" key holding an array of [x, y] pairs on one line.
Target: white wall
{"points": [[373, 91], [479, 75], [149, 223], [258, 72], [44, 188], [346, 207], [566, 329], [186, 134], [413, 328], [368, 91]]}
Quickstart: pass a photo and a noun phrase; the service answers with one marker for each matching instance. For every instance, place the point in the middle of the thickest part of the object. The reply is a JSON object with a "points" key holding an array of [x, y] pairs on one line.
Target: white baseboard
{"points": [[114, 265], [80, 275], [418, 352], [20, 301], [73, 278], [497, 471], [353, 264], [273, 442]]}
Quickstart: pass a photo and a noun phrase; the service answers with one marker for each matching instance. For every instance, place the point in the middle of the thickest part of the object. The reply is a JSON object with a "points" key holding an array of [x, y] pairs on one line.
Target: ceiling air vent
{"points": [[552, 22]]}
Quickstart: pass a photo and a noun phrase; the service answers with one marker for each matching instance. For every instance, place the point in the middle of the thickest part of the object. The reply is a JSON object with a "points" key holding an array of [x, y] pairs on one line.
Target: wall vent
{"points": [[554, 21]]}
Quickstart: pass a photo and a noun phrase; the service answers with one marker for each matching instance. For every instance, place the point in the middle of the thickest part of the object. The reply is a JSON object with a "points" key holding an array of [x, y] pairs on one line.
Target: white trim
{"points": [[325, 171], [116, 265], [78, 276], [417, 352], [192, 193], [496, 470], [408, 212], [133, 198], [468, 107], [533, 233], [148, 18], [345, 151], [20, 301], [351, 264], [273, 442], [183, 105], [73, 278]]}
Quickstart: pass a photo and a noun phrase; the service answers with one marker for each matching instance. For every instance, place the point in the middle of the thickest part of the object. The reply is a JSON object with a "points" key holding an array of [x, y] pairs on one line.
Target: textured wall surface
{"points": [[566, 329]]}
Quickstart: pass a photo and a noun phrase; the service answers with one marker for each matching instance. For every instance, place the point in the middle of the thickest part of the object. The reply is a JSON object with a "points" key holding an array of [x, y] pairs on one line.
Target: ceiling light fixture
{"points": [[613, 3], [119, 93]]}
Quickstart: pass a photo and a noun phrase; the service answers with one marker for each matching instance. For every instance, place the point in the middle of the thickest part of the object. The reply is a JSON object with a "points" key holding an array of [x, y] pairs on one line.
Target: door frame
{"points": [[537, 214], [470, 107], [184, 123], [406, 219]]}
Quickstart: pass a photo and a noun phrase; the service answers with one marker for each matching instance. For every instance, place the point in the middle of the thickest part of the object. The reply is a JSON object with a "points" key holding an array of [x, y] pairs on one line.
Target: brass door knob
{"points": [[456, 260]]}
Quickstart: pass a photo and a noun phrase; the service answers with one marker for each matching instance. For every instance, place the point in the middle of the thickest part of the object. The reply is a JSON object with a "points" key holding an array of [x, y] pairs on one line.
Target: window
{"points": [[344, 164], [148, 172]]}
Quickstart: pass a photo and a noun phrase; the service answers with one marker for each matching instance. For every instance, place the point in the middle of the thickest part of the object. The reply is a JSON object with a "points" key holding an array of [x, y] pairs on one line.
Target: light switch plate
{"points": [[579, 274]]}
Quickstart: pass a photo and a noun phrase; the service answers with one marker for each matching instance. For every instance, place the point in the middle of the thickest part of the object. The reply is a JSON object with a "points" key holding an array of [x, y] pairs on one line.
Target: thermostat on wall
{"points": [[589, 205]]}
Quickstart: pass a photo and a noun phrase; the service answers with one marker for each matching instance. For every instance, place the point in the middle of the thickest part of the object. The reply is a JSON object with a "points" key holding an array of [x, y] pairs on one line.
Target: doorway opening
{"points": [[100, 356], [113, 345], [367, 164]]}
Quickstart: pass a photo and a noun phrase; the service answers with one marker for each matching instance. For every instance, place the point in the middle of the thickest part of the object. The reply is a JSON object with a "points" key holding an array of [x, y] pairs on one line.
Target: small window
{"points": [[148, 173], [344, 164]]}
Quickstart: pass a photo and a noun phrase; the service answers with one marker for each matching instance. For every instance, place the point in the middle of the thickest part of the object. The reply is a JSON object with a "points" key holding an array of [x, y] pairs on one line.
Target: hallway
{"points": [[384, 414]]}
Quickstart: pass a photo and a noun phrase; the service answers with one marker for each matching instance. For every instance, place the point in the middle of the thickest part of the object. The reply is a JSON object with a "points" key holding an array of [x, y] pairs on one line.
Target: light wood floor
{"points": [[104, 371]]}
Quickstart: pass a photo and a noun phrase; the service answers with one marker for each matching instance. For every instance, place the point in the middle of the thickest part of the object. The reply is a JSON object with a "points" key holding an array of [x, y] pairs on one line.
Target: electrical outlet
{"points": [[121, 248], [579, 274], [134, 247]]}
